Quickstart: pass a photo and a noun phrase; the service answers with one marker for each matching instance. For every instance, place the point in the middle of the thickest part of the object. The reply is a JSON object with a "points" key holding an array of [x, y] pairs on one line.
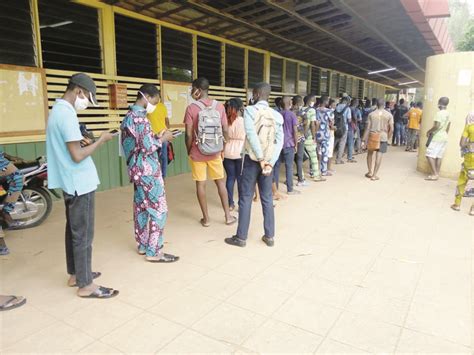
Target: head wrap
{"points": [[470, 118]]}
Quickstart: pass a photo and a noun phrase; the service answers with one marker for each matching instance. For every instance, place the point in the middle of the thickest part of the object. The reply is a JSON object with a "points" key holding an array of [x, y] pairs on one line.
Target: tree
{"points": [[467, 43], [458, 21]]}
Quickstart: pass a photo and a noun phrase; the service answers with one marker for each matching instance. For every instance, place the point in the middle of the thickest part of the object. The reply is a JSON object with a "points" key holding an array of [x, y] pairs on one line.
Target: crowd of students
{"points": [[231, 144]]}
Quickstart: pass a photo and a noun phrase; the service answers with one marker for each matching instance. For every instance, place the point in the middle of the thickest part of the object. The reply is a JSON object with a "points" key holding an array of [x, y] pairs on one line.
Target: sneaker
{"points": [[294, 192], [268, 241], [302, 183], [235, 241]]}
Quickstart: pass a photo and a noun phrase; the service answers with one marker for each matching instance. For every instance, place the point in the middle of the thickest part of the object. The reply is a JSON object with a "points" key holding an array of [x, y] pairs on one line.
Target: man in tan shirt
{"points": [[379, 121]]}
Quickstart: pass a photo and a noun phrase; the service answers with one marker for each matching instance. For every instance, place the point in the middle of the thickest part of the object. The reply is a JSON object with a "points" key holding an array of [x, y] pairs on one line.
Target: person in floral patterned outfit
{"points": [[141, 147]]}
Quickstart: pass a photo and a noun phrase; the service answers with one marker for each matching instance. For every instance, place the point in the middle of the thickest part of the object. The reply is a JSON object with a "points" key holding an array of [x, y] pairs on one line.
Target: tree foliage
{"points": [[467, 43]]}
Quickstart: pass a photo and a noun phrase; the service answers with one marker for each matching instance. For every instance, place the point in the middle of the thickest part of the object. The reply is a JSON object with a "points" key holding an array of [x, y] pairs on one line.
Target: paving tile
{"points": [[415, 342], [259, 298], [192, 342], [99, 348], [229, 323], [146, 333], [440, 321], [218, 285], [277, 337], [186, 307], [303, 313], [326, 292], [98, 319], [365, 333], [22, 322], [379, 305], [330, 346], [281, 278], [242, 267], [57, 338]]}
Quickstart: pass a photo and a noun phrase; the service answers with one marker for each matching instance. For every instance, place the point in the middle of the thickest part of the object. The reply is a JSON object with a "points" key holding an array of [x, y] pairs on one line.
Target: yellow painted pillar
{"points": [[108, 40], [450, 75], [266, 76]]}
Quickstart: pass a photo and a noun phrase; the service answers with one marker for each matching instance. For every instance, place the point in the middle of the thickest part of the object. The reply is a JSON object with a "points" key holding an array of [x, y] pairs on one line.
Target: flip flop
{"points": [[368, 176], [167, 258], [95, 275], [204, 224], [374, 178], [456, 208], [232, 221], [471, 212], [431, 178], [319, 179], [11, 304], [102, 293], [4, 251]]}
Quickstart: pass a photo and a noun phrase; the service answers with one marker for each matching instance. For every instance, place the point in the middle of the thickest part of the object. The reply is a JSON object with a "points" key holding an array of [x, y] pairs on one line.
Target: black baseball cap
{"points": [[85, 81]]}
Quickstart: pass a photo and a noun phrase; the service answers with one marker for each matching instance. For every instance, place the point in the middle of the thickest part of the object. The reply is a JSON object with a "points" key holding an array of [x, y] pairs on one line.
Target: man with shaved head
{"points": [[263, 144], [379, 129]]}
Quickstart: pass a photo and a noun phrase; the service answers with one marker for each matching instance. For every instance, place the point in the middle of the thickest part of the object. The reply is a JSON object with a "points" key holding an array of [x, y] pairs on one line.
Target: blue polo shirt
{"points": [[63, 173]]}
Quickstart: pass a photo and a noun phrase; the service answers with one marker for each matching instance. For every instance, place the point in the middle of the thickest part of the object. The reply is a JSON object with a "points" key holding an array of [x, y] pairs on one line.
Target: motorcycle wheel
{"points": [[41, 198]]}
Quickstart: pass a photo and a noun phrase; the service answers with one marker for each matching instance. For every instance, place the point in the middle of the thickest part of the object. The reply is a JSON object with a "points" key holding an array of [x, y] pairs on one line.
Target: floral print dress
{"points": [[140, 146]]}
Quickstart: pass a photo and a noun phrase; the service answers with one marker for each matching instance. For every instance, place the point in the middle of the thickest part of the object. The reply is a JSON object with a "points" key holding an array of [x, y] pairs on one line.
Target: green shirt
{"points": [[441, 135], [310, 117]]}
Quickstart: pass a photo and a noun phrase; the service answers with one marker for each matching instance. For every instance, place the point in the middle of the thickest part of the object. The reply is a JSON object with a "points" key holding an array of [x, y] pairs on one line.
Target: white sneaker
{"points": [[302, 183]]}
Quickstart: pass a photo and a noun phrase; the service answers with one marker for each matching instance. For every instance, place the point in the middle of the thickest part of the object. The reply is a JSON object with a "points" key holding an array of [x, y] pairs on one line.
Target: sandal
{"points": [[232, 221], [432, 178], [368, 176], [204, 224], [102, 292], [456, 208], [319, 179], [95, 275], [4, 251], [471, 212], [12, 303], [166, 258], [374, 178]]}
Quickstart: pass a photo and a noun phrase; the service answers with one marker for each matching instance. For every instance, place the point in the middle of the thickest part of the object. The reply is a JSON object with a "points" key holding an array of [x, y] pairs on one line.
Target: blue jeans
{"points": [[299, 161], [252, 175], [233, 169], [350, 144], [399, 133], [287, 157], [164, 159]]}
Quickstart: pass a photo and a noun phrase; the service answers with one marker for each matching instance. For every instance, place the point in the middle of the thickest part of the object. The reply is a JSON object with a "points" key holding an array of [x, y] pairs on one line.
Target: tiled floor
{"points": [[358, 267]]}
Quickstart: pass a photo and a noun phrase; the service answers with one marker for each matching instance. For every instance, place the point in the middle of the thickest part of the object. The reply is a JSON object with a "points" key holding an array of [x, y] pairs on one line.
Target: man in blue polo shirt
{"points": [[70, 168]]}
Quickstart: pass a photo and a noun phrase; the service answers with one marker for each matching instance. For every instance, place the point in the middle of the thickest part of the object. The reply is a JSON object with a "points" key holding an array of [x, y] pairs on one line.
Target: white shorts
{"points": [[331, 146], [436, 150]]}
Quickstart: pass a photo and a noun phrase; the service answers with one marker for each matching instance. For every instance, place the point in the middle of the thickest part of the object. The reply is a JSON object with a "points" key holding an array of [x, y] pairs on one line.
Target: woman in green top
{"points": [[467, 172]]}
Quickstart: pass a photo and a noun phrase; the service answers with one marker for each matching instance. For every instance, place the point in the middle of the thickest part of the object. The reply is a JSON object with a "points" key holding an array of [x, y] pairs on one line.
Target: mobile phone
{"points": [[114, 132], [176, 132]]}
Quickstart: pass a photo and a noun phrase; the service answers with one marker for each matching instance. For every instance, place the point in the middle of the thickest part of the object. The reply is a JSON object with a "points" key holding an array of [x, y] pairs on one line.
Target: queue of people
{"points": [[229, 144]]}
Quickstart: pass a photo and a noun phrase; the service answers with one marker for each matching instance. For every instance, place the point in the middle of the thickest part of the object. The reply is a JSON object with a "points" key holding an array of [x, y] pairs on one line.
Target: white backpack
{"points": [[265, 127], [209, 137]]}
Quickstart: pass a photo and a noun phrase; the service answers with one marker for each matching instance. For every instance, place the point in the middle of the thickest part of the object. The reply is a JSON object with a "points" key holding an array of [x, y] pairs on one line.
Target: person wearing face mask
{"points": [[141, 146], [312, 127], [70, 168]]}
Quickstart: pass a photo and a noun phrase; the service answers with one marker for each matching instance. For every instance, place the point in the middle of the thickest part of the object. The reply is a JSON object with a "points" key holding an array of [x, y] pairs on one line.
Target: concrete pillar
{"points": [[450, 75]]}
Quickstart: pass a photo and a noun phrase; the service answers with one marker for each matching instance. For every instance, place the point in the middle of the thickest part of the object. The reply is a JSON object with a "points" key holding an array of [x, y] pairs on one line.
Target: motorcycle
{"points": [[35, 203]]}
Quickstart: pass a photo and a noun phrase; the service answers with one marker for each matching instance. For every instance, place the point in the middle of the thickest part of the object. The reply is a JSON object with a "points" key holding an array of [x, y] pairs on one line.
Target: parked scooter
{"points": [[35, 203]]}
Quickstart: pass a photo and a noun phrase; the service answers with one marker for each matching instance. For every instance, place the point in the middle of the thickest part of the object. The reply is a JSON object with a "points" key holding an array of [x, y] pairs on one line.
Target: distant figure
{"points": [[278, 104], [376, 137], [438, 139], [399, 133], [466, 177], [160, 122], [343, 118], [323, 136], [414, 122], [297, 108]]}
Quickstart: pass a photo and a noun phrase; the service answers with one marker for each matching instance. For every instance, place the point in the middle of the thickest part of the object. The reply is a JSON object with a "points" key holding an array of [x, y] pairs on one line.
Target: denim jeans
{"points": [[350, 144], [79, 236], [299, 158], [233, 169], [340, 146], [252, 175], [287, 157], [399, 134], [164, 159]]}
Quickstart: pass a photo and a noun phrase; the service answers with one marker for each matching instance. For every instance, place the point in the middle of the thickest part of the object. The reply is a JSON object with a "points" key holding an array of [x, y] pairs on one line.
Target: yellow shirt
{"points": [[414, 118], [158, 118]]}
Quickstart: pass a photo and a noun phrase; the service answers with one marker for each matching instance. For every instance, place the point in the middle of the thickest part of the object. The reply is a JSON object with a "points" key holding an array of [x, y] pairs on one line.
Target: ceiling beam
{"points": [[317, 27], [171, 12], [343, 4], [147, 6], [231, 18]]}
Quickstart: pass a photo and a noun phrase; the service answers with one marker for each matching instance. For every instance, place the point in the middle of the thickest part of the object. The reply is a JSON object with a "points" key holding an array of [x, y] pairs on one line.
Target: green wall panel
{"points": [[110, 167]]}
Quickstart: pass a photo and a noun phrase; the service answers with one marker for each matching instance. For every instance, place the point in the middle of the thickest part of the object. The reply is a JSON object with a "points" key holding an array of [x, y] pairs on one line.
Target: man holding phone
{"points": [[70, 168]]}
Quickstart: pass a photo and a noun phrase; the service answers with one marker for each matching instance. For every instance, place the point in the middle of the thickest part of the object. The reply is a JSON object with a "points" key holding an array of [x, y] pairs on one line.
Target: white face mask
{"points": [[311, 104], [149, 107], [81, 103]]}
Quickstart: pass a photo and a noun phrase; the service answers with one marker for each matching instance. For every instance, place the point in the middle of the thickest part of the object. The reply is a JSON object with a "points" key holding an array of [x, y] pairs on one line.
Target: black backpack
{"points": [[340, 123]]}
